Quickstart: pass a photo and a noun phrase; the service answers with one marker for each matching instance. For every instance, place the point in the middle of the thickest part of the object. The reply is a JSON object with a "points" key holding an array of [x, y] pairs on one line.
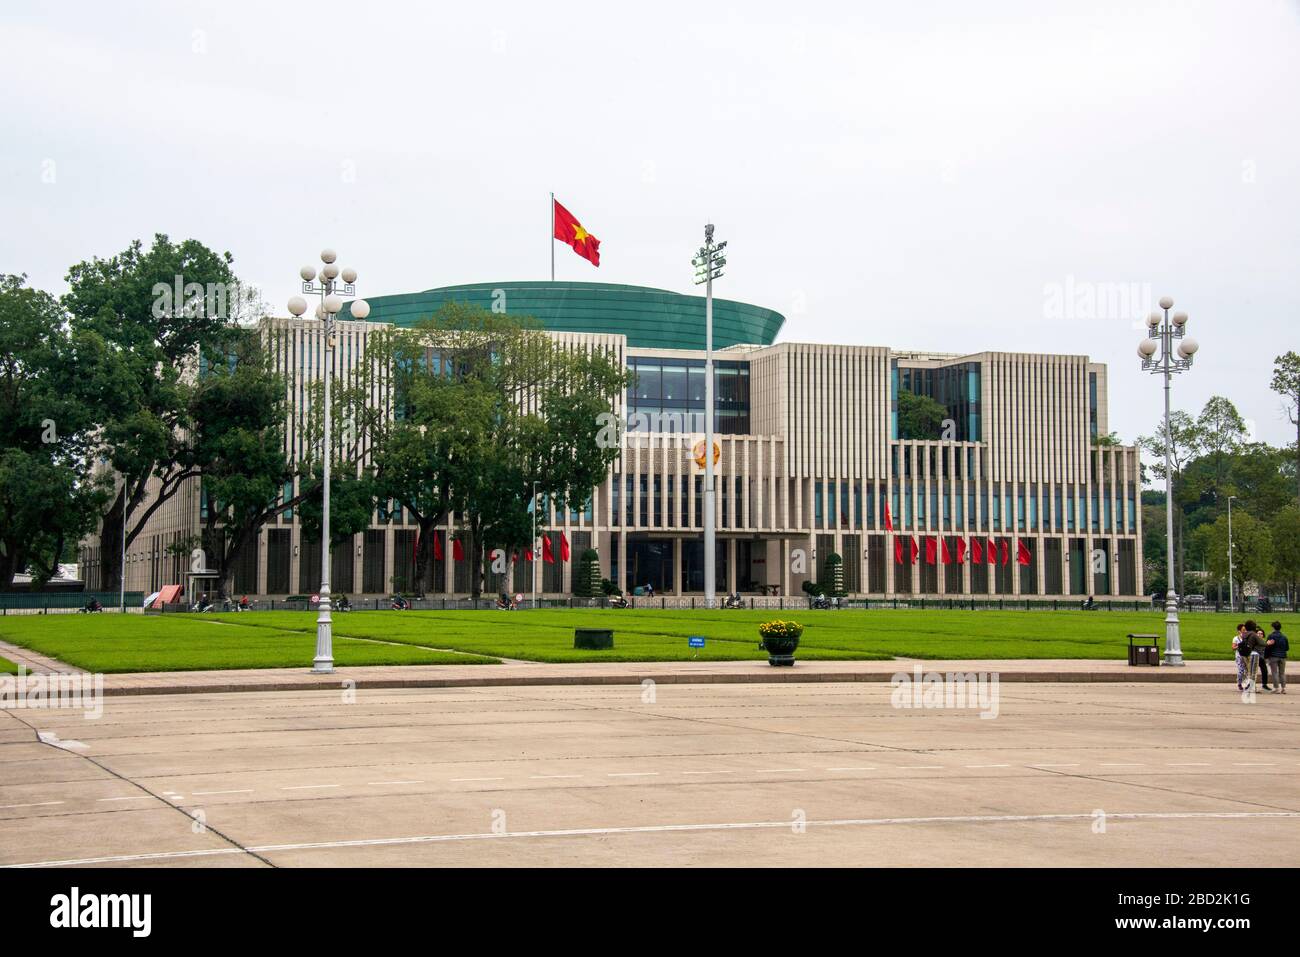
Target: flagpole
{"points": [[552, 237]]}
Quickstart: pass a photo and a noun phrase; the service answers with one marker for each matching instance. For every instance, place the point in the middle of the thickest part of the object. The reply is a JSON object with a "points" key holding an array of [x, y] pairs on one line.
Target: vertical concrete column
{"points": [[677, 565], [785, 567], [731, 565], [621, 579]]}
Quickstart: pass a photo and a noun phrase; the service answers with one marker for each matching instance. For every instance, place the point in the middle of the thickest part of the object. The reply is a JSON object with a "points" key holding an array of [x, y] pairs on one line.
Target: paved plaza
{"points": [[657, 774]]}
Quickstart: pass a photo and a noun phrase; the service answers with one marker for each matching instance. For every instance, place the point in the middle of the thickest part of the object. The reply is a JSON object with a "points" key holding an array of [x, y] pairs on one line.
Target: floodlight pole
{"points": [[708, 264]]}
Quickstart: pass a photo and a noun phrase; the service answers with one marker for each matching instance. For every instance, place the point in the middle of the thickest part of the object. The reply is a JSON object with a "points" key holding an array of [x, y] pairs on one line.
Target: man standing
{"points": [[1275, 650]]}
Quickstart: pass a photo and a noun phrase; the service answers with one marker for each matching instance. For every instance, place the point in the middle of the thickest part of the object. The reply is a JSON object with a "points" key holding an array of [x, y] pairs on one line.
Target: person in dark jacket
{"points": [[1251, 648], [1276, 647]]}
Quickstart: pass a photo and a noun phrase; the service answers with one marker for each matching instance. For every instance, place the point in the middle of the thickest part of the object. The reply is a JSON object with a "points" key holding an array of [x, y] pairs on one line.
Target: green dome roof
{"points": [[650, 318]]}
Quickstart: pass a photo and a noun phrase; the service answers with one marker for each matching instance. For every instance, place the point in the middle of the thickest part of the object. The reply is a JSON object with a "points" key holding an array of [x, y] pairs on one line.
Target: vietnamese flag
{"points": [[961, 551], [548, 556], [916, 550], [943, 547], [564, 547], [457, 550], [568, 230], [991, 552], [1006, 552], [889, 521], [1022, 553], [930, 550], [976, 552], [898, 551]]}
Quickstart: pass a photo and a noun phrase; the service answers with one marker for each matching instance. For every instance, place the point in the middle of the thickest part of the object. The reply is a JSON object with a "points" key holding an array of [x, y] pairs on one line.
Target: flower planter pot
{"points": [[780, 651]]}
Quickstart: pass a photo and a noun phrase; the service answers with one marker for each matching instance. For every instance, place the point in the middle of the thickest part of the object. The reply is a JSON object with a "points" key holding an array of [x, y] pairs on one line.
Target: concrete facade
{"points": [[809, 457]]}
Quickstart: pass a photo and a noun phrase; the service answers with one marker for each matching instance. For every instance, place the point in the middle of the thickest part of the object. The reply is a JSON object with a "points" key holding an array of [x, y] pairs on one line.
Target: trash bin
{"points": [[1144, 650]]}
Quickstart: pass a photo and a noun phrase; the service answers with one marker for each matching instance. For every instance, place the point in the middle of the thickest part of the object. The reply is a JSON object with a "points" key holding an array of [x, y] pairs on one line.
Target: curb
{"points": [[758, 677]]}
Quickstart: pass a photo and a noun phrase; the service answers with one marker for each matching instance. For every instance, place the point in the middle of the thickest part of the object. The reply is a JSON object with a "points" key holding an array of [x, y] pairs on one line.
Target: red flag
{"points": [[930, 549], [564, 547], [889, 521], [947, 555], [569, 230], [548, 556], [916, 550], [437, 546], [976, 552], [961, 551], [898, 551], [991, 552], [1006, 552], [1022, 553], [457, 550], [529, 554]]}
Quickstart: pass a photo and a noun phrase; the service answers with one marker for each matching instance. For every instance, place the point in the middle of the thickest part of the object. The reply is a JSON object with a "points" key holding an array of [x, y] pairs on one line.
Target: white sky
{"points": [[912, 175]]}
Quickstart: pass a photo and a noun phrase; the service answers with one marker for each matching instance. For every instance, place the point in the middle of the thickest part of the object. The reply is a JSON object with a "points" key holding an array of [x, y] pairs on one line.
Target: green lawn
{"points": [[661, 635], [287, 638], [114, 643], [7, 667]]}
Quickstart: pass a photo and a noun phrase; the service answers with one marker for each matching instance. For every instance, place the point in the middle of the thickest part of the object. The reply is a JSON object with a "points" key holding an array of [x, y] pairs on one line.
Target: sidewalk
{"points": [[623, 673]]}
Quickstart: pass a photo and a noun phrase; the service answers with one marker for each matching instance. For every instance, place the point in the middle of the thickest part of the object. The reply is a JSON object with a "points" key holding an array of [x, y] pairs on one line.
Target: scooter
{"points": [[618, 601], [733, 601], [821, 603]]}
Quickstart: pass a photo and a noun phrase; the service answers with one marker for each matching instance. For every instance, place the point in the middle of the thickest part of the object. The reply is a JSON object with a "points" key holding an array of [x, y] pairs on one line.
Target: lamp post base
{"points": [[1173, 644], [323, 663]]}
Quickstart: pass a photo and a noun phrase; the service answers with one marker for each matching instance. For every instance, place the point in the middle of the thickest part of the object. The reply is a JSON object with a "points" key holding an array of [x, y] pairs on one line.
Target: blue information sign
{"points": [[696, 641]]}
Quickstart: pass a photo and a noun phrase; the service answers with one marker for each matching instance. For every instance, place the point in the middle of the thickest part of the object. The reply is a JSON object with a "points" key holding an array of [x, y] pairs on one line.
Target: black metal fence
{"points": [[71, 602]]}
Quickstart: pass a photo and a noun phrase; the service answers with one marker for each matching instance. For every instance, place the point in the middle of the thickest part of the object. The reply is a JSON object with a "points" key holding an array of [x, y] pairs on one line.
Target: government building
{"points": [[1019, 494]]}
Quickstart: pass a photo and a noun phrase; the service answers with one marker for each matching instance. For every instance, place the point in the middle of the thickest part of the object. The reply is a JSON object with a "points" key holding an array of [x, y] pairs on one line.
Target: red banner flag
{"points": [[898, 551], [437, 546], [564, 547], [916, 550], [1022, 553], [548, 556], [889, 521], [1006, 552], [931, 556], [991, 552], [961, 551], [569, 230], [976, 552], [943, 551], [457, 550]]}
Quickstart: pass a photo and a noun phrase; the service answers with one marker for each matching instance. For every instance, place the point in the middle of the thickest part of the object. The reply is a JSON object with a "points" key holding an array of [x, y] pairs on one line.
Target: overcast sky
{"points": [[912, 175]]}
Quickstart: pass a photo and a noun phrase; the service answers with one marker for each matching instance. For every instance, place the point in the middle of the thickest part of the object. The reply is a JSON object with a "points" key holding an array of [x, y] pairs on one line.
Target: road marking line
{"points": [[850, 769], [233, 791], [1189, 764], [8, 807], [1254, 764], [1053, 765], [142, 797], [669, 828], [308, 787], [478, 779], [782, 770]]}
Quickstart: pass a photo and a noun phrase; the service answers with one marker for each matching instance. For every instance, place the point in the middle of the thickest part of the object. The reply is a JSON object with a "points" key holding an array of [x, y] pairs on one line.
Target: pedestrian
{"points": [[1275, 649], [1240, 653], [1261, 646], [1253, 645]]}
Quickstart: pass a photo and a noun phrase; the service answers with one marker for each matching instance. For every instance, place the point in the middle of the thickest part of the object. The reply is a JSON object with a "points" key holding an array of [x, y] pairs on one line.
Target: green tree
{"points": [[47, 500], [1286, 382], [1182, 441], [919, 416], [236, 411], [586, 579], [1221, 434], [159, 312], [494, 414], [1286, 546], [1252, 549]]}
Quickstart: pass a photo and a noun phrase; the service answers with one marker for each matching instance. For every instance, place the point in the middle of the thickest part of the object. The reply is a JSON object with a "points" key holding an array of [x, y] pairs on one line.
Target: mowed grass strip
{"points": [[650, 635], [117, 643], [7, 667]]}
